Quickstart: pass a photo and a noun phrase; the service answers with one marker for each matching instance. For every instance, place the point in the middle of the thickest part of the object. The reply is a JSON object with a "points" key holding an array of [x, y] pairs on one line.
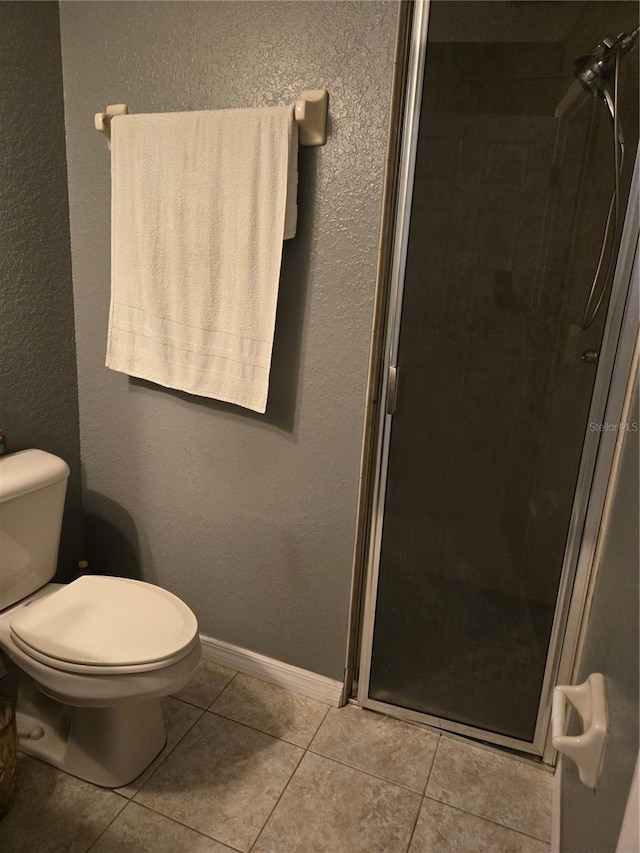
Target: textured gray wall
{"points": [[38, 390], [249, 518]]}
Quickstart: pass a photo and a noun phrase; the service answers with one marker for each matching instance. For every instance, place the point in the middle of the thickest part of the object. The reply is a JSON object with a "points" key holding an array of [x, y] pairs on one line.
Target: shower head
{"points": [[593, 71]]}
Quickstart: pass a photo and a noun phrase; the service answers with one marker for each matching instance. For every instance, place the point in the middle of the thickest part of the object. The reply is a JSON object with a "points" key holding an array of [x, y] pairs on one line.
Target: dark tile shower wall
{"points": [[569, 393], [508, 213], [484, 288]]}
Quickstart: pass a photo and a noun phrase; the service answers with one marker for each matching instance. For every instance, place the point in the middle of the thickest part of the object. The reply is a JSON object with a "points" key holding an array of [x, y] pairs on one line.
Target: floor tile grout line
{"points": [[115, 817], [433, 764], [448, 736], [194, 704], [279, 687], [186, 702], [275, 805], [423, 796], [253, 728], [210, 710], [244, 725], [319, 726], [309, 748], [131, 799], [160, 763], [307, 751], [222, 690], [187, 826], [366, 772], [488, 819], [530, 760], [415, 824], [192, 828]]}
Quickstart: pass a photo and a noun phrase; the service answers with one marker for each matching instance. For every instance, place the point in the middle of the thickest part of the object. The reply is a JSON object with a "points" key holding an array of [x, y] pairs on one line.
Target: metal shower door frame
{"points": [[592, 482]]}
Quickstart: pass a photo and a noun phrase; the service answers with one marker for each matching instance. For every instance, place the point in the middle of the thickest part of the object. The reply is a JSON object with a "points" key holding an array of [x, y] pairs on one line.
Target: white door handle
{"points": [[586, 749]]}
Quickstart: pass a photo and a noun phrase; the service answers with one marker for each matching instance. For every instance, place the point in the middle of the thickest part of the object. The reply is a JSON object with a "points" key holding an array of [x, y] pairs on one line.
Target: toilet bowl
{"points": [[92, 658], [93, 708]]}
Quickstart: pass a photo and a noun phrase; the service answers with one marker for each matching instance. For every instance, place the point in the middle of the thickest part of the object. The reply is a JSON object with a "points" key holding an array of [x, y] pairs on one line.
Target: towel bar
{"points": [[310, 112]]}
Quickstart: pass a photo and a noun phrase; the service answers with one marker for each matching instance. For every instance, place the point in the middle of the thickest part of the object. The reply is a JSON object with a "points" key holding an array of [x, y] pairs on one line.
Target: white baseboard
{"points": [[274, 671]]}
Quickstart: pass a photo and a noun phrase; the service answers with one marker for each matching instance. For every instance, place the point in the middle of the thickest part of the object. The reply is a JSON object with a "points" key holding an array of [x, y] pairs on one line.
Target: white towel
{"points": [[200, 202]]}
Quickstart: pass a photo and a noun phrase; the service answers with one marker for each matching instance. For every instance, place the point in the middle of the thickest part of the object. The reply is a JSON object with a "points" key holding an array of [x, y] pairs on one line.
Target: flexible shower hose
{"points": [[591, 310]]}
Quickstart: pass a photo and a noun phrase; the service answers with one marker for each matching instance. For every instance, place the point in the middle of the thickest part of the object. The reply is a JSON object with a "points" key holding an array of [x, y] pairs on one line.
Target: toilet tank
{"points": [[32, 489]]}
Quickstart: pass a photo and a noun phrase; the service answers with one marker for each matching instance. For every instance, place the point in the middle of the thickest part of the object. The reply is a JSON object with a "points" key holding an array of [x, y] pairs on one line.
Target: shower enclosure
{"points": [[520, 133]]}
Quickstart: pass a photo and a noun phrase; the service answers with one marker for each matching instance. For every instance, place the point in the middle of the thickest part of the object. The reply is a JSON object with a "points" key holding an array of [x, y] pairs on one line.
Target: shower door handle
{"points": [[586, 749]]}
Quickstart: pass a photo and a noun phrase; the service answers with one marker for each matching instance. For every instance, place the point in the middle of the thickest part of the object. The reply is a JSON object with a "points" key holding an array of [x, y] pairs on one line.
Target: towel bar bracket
{"points": [[310, 112], [102, 121]]}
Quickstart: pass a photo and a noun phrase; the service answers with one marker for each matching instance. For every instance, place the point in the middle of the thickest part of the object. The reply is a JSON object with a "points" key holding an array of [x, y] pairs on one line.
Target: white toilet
{"points": [[93, 657]]}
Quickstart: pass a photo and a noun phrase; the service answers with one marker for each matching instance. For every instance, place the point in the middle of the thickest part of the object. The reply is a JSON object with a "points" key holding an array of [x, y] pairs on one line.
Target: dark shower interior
{"points": [[508, 214]]}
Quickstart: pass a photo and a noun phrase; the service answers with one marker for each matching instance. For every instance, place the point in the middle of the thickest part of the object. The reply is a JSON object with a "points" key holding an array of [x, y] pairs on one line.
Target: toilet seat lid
{"points": [[107, 621]]}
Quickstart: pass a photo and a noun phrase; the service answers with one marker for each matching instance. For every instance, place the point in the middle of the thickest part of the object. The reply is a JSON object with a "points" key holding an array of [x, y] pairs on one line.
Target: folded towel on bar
{"points": [[201, 202]]}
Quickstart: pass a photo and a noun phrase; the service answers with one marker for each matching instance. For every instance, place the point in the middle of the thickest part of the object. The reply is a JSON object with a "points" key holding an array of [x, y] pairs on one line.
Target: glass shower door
{"points": [[496, 373]]}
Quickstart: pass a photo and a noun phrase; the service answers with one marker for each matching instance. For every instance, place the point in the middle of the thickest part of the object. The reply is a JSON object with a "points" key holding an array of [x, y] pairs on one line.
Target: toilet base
{"points": [[106, 746]]}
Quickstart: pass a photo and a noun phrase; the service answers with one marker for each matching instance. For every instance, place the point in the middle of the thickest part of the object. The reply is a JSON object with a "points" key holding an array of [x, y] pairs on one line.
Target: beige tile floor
{"points": [[252, 767]]}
